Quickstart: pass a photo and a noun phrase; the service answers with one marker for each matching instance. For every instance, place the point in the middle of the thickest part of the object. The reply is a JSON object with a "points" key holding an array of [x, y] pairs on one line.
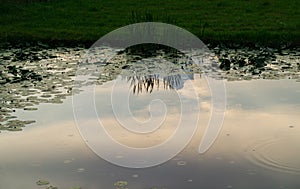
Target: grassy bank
{"points": [[264, 22]]}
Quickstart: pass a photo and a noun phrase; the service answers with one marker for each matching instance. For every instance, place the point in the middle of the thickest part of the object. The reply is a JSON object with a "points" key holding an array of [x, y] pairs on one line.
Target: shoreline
{"points": [[225, 44]]}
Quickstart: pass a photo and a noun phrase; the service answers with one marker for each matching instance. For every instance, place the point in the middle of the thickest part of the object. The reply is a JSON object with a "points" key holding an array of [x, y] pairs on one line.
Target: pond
{"points": [[257, 146]]}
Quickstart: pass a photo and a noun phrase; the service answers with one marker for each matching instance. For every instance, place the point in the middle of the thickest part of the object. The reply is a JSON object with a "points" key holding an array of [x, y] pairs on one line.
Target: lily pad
{"points": [[121, 184], [30, 109], [52, 187], [42, 182], [34, 75]]}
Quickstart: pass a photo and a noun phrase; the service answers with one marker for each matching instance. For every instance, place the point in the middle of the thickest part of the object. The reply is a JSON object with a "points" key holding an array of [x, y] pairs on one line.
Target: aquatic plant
{"points": [[31, 76], [121, 185], [42, 182]]}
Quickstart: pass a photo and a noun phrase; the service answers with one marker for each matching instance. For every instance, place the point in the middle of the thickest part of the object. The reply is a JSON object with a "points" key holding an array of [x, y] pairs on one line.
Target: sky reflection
{"points": [[257, 147]]}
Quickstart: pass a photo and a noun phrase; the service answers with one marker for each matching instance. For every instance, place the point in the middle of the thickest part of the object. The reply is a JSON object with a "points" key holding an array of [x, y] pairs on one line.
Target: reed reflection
{"points": [[149, 82], [148, 67]]}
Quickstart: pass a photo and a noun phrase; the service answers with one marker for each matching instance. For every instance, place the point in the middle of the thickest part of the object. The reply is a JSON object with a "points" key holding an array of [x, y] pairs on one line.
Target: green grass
{"points": [[263, 22]]}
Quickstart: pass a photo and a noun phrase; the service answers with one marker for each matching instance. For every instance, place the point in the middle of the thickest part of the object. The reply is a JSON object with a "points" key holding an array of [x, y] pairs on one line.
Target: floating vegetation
{"points": [[121, 185], [46, 95], [35, 75], [15, 125], [265, 63], [145, 66], [51, 187], [32, 76], [45, 183], [42, 182], [30, 109]]}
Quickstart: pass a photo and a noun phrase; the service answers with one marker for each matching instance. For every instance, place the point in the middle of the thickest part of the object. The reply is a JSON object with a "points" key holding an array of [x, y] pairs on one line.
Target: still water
{"points": [[258, 146]]}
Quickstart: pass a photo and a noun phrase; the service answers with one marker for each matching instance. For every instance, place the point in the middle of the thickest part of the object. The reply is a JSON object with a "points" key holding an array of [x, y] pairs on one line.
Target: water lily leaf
{"points": [[42, 182]]}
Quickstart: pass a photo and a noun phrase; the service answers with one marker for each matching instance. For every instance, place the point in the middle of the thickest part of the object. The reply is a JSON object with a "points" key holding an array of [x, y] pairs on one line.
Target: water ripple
{"points": [[281, 154]]}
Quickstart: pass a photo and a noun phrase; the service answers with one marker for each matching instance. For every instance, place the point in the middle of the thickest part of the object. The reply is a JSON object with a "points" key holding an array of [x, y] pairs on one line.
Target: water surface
{"points": [[256, 148]]}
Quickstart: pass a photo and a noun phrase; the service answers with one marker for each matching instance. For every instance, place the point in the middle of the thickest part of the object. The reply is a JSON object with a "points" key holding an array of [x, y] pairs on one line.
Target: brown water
{"points": [[258, 146]]}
